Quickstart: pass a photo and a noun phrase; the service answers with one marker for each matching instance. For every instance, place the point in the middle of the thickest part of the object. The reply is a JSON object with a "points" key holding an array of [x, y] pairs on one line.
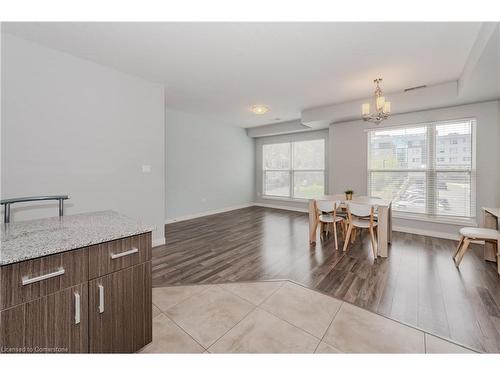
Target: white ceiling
{"points": [[221, 69]]}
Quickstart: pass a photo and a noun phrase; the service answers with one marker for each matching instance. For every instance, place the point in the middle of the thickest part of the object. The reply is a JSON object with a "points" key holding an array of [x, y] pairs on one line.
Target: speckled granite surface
{"points": [[35, 238]]}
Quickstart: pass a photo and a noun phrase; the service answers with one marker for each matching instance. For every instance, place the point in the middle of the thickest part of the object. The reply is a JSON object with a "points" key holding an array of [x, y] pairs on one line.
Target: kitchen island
{"points": [[78, 283]]}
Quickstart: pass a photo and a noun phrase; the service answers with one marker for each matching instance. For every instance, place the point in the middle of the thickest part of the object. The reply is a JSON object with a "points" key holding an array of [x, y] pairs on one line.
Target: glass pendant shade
{"points": [[382, 107]]}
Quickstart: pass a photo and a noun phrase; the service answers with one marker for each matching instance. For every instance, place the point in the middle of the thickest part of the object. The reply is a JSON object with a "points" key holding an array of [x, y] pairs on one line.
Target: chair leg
{"points": [[347, 237], [460, 250], [374, 243], [312, 235], [354, 233], [322, 230], [463, 250], [335, 235], [460, 242]]}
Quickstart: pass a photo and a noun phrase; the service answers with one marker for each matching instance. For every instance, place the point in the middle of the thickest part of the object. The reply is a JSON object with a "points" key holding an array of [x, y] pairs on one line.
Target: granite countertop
{"points": [[36, 238]]}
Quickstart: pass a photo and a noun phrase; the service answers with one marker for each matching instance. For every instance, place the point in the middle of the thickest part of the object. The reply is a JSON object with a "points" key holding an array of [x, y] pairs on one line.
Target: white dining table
{"points": [[384, 212]]}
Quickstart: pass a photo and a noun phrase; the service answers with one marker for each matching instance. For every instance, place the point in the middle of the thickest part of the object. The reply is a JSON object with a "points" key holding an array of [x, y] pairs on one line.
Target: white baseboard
{"points": [[158, 242], [429, 233], [289, 208], [423, 232], [208, 213]]}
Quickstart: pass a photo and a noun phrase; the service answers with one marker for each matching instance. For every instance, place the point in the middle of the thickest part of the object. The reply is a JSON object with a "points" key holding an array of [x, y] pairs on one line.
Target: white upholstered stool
{"points": [[469, 234]]}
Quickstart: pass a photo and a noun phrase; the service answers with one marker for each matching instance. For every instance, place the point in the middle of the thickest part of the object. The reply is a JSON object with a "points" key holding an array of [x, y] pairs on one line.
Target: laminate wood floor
{"points": [[417, 284]]}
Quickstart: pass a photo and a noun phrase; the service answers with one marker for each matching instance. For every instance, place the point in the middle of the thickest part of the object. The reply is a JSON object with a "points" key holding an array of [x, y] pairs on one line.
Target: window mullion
{"points": [[431, 176], [291, 176], [264, 181]]}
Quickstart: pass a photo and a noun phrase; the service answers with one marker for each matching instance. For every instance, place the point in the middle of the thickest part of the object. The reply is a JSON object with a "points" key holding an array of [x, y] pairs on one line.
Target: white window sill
{"points": [[435, 219], [397, 214]]}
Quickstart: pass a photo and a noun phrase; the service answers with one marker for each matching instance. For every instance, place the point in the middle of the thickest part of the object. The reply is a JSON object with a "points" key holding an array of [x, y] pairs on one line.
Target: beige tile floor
{"points": [[276, 317]]}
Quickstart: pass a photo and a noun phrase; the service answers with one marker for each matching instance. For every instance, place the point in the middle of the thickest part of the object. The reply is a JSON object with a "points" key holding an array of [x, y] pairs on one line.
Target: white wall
{"points": [[348, 160], [209, 166], [498, 151], [72, 126], [299, 204]]}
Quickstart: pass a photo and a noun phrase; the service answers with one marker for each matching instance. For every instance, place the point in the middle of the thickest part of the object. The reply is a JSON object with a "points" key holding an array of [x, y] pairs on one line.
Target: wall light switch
{"points": [[146, 169]]}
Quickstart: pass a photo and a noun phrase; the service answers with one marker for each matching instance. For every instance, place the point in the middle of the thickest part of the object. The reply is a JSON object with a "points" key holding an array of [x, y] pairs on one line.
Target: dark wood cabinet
{"points": [[55, 323], [120, 315], [17, 283], [116, 255], [75, 302]]}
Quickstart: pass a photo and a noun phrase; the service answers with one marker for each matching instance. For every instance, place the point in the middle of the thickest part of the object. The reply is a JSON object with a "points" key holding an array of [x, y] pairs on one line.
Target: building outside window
{"points": [[422, 171], [294, 170]]}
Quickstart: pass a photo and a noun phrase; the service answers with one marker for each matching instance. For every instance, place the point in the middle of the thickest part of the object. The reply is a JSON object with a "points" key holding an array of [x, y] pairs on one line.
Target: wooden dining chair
{"points": [[361, 216], [326, 214], [469, 234]]}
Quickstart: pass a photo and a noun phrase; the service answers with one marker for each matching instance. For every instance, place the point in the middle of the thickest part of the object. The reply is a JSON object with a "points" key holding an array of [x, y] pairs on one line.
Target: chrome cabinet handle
{"points": [[125, 253], [77, 308], [101, 299], [26, 280]]}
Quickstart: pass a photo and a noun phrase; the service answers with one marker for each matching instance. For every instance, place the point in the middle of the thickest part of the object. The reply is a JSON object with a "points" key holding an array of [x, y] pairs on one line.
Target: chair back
{"points": [[325, 206], [375, 209], [360, 210]]}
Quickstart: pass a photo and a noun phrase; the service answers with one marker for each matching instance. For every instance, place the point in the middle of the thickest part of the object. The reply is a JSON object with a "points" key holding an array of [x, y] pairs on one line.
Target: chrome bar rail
{"points": [[8, 202]]}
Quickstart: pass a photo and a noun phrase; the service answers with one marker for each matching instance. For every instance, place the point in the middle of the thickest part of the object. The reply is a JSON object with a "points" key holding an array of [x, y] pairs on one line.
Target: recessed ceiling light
{"points": [[260, 109]]}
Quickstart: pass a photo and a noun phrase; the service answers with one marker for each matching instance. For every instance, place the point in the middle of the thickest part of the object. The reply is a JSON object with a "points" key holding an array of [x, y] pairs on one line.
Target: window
{"points": [[294, 169], [403, 165]]}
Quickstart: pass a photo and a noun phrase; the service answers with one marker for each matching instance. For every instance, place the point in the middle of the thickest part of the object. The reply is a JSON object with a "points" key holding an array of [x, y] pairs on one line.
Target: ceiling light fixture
{"points": [[383, 108], [260, 109]]}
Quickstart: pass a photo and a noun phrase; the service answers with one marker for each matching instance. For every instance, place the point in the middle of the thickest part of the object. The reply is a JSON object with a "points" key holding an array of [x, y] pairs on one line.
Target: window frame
{"points": [[431, 172], [291, 171]]}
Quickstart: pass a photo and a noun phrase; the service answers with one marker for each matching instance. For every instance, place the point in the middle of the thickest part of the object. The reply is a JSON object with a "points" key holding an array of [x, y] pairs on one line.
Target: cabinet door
{"points": [[120, 310], [56, 323]]}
